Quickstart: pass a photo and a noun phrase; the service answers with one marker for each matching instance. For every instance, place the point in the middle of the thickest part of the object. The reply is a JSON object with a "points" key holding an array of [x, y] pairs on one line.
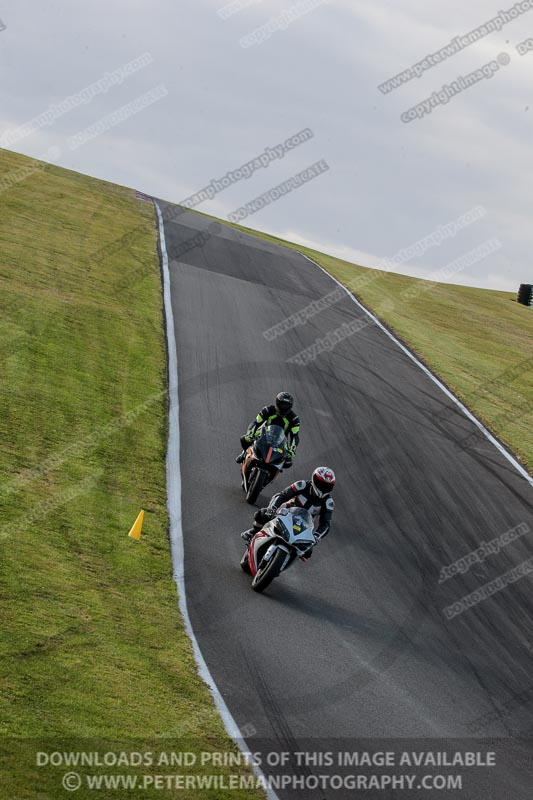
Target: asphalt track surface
{"points": [[352, 650]]}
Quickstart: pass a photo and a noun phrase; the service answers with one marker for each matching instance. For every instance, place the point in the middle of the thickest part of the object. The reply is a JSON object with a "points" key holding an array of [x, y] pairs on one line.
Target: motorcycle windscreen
{"points": [[271, 444], [302, 525]]}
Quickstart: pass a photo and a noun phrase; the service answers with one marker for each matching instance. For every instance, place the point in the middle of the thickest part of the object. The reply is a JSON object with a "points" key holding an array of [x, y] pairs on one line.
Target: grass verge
{"points": [[93, 649]]}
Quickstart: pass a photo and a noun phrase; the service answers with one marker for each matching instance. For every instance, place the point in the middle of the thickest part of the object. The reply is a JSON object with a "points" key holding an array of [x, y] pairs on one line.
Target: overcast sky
{"points": [[215, 99]]}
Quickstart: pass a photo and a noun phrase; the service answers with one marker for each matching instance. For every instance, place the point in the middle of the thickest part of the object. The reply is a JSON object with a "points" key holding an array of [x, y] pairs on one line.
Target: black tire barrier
{"points": [[525, 294]]}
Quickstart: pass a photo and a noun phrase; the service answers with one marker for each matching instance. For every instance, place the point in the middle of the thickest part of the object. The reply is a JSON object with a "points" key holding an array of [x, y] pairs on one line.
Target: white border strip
{"points": [[174, 510], [519, 468]]}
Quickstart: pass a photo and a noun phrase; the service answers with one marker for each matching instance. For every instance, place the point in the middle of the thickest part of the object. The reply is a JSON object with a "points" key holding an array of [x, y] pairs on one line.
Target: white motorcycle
{"points": [[276, 546]]}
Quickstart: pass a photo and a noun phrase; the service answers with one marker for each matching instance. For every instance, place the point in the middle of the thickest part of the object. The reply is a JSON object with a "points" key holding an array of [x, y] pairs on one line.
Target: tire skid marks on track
{"points": [[519, 468]]}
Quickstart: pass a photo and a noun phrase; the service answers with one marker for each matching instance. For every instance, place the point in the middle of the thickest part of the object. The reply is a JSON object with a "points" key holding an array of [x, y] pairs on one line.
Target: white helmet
{"points": [[323, 481]]}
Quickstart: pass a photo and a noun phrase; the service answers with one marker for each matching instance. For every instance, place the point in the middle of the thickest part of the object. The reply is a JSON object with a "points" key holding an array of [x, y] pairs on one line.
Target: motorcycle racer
{"points": [[279, 414], [314, 495]]}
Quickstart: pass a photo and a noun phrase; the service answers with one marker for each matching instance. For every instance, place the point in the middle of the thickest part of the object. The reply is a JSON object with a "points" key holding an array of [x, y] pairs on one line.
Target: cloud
{"points": [[388, 184]]}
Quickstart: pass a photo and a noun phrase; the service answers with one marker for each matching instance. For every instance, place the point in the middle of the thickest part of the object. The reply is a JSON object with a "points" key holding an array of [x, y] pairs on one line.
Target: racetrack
{"points": [[353, 644]]}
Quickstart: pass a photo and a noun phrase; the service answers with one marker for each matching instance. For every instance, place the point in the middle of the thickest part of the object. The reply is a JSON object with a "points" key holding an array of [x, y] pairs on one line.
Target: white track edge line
{"points": [[523, 472], [174, 511]]}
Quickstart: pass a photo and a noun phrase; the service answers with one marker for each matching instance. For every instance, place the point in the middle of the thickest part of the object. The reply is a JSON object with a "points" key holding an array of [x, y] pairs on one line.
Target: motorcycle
{"points": [[277, 545], [264, 460]]}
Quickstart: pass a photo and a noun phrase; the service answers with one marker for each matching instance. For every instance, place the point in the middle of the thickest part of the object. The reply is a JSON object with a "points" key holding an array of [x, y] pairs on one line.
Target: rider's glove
{"points": [[321, 531]]}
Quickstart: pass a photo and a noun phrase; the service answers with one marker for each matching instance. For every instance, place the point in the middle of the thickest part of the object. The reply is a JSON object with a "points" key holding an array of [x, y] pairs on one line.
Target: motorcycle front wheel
{"points": [[265, 576], [245, 565], [256, 485]]}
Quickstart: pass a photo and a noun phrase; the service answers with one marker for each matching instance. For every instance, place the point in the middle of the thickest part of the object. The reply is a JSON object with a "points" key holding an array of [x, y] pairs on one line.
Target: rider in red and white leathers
{"points": [[314, 495]]}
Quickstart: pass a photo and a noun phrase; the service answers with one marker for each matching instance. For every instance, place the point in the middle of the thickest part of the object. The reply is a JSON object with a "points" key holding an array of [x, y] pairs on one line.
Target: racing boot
{"points": [[248, 535]]}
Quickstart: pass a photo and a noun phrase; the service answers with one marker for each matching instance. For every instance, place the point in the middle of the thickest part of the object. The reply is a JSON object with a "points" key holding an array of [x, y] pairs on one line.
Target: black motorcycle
{"points": [[264, 460]]}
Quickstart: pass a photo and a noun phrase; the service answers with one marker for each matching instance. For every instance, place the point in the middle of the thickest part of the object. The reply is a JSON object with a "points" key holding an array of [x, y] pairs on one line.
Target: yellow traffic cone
{"points": [[135, 532]]}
